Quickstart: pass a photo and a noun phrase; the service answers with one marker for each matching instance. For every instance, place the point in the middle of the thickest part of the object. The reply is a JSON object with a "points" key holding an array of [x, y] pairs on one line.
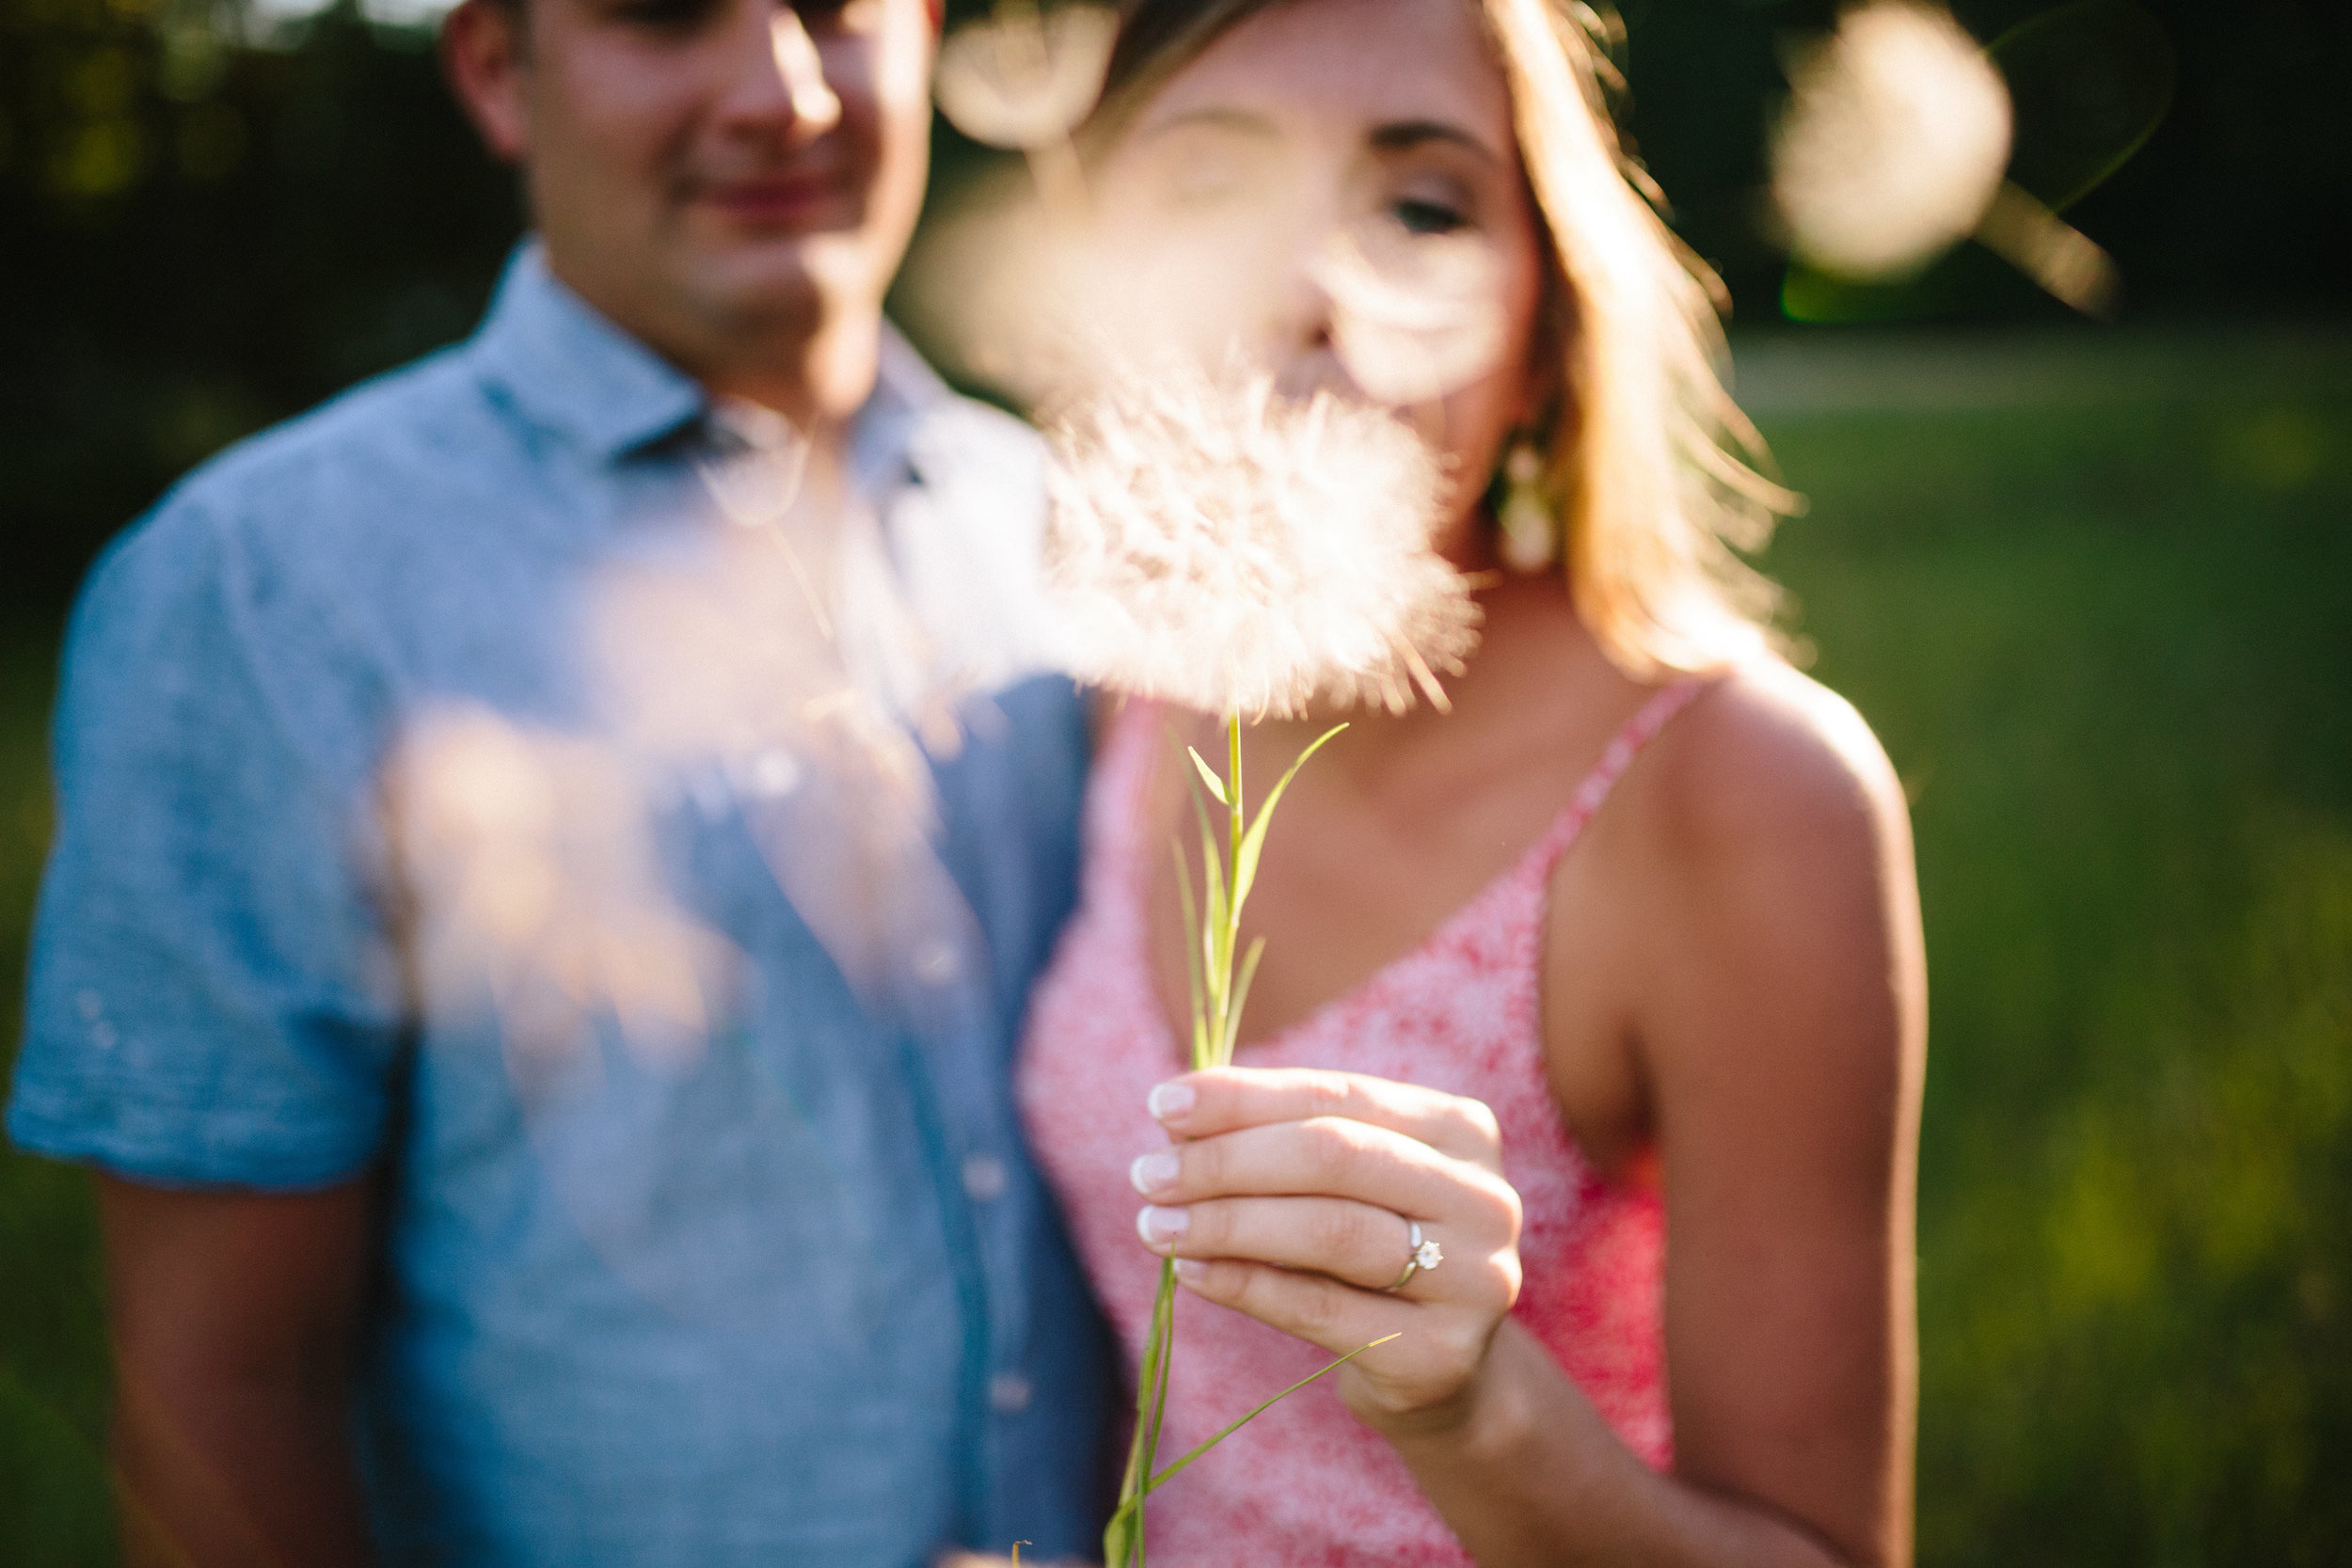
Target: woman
{"points": [[1630, 937]]}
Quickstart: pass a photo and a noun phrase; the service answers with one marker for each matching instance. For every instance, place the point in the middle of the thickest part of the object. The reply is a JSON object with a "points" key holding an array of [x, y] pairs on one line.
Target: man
{"points": [[384, 1286]]}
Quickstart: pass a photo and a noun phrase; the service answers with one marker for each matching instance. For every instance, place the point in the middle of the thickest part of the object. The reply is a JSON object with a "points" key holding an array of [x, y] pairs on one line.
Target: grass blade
{"points": [[1192, 950], [1163, 1326], [1147, 1381], [1216, 931], [1122, 1536], [1165, 1319], [1208, 776], [1253, 841], [1241, 995], [1166, 1476], [1233, 749]]}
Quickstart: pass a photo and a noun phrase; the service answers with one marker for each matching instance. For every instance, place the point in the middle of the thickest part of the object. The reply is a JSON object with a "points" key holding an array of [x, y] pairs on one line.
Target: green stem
{"points": [[1238, 816], [1216, 1001]]}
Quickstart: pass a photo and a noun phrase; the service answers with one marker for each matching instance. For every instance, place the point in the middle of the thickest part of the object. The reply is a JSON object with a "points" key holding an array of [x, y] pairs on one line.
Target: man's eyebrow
{"points": [[1404, 135]]}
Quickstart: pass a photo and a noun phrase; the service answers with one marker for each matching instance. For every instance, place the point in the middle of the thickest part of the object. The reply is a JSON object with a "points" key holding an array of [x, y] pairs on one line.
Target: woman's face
{"points": [[1334, 187]]}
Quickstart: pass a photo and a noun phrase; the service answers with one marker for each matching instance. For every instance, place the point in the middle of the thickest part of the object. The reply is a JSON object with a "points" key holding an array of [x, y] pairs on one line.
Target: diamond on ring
{"points": [[1420, 1254]]}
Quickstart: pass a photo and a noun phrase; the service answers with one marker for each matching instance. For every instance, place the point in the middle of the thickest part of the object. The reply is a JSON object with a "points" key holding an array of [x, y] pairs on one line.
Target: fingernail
{"points": [[1156, 1225], [1171, 1101], [1151, 1173], [1189, 1270]]}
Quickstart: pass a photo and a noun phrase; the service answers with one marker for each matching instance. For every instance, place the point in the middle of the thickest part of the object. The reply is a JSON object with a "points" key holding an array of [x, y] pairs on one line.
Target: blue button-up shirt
{"points": [[796, 1296]]}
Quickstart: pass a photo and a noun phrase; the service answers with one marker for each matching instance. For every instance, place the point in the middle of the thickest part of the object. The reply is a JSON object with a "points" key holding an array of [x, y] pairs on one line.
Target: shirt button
{"points": [[985, 1179], [774, 773], [1009, 1393], [708, 788], [935, 961]]}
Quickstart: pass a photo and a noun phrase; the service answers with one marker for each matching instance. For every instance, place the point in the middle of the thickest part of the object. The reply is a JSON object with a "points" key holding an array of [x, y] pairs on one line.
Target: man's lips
{"points": [[777, 198]]}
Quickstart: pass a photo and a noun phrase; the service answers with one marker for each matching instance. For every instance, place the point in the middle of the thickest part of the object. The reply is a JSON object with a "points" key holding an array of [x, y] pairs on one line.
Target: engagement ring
{"points": [[1424, 1255]]}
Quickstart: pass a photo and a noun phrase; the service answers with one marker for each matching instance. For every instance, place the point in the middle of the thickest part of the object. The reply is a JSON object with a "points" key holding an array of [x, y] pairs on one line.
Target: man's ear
{"points": [[482, 55]]}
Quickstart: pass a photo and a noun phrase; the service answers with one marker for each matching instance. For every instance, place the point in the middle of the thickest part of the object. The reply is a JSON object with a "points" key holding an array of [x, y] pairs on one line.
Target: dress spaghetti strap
{"points": [[1594, 791]]}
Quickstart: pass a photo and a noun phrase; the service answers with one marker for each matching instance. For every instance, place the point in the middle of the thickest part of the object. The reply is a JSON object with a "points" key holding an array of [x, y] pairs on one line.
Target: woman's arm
{"points": [[1769, 993], [1785, 1057]]}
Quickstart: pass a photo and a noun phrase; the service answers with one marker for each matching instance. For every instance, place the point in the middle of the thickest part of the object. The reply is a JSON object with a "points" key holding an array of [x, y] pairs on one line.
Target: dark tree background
{"points": [[198, 236]]}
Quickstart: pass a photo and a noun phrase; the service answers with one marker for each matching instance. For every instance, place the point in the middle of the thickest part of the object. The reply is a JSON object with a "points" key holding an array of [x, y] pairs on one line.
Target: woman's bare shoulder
{"points": [[1768, 763], [1750, 922], [1782, 906]]}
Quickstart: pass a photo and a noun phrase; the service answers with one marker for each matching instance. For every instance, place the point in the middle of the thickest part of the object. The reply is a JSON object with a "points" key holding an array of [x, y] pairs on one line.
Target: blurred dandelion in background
{"points": [[1894, 144], [781, 669], [1413, 316], [1054, 315], [535, 891], [1217, 547], [1022, 78], [1897, 132], [2048, 249], [764, 664], [1051, 313], [720, 674]]}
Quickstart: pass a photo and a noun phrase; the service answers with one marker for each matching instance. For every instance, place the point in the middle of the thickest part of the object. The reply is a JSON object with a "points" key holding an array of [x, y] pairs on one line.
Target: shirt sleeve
{"points": [[211, 999]]}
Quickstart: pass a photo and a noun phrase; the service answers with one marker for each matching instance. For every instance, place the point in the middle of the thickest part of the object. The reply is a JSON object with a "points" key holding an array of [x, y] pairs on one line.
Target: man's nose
{"points": [[782, 76]]}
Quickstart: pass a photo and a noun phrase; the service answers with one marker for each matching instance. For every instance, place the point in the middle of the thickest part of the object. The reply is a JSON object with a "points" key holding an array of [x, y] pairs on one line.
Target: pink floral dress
{"points": [[1306, 1483]]}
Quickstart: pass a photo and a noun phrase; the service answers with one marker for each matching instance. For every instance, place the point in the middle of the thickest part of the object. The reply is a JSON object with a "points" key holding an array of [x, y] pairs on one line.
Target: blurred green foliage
{"points": [[53, 1501], [2105, 631], [198, 238], [2097, 596]]}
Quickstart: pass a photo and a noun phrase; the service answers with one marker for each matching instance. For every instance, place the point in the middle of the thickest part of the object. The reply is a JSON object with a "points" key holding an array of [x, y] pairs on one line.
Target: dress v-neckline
{"points": [[1558, 836], [1138, 946]]}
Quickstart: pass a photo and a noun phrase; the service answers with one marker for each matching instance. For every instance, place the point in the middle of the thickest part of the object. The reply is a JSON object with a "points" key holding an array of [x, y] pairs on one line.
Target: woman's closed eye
{"points": [[1422, 216], [1209, 168], [823, 16], [1424, 192], [687, 16], [666, 16]]}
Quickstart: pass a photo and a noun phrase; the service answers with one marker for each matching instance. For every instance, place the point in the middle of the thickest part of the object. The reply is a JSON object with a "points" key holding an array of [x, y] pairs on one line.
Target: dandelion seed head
{"points": [[1414, 317], [779, 666], [1897, 132], [1043, 309], [1025, 77], [536, 892], [1219, 547]]}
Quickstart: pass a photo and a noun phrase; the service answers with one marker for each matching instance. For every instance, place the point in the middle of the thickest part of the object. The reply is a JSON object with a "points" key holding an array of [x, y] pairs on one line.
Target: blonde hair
{"points": [[1648, 462], [1652, 466]]}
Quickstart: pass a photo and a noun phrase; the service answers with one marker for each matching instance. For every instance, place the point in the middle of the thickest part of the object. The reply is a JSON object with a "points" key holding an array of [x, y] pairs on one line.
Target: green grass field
{"points": [[2099, 604], [2096, 595]]}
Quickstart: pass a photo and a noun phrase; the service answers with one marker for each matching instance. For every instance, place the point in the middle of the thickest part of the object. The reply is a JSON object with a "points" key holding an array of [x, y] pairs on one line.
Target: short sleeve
{"points": [[211, 999]]}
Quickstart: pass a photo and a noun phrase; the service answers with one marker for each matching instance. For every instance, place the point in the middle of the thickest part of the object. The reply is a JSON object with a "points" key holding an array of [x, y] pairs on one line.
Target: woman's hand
{"points": [[1291, 1196]]}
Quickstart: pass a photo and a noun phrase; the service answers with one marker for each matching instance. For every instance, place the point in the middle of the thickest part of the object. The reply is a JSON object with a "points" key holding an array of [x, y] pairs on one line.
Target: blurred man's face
{"points": [[710, 174]]}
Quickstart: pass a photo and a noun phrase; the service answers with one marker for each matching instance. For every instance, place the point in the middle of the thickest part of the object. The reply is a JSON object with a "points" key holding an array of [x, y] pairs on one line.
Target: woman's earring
{"points": [[1531, 531]]}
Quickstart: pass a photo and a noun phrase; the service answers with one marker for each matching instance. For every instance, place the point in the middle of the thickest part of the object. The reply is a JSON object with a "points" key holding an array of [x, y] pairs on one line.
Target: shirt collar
{"points": [[567, 367]]}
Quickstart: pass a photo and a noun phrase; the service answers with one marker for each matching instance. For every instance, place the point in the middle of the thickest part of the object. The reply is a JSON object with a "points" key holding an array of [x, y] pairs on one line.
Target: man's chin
{"points": [[787, 280]]}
